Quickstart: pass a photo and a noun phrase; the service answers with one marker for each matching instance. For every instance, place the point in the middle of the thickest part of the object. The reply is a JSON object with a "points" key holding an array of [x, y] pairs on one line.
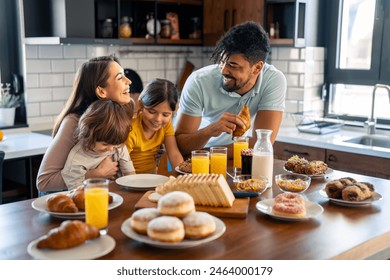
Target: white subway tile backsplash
{"points": [[50, 51], [38, 66], [69, 79], [51, 108], [288, 53], [292, 80], [32, 80], [282, 65], [33, 110], [63, 65], [51, 80], [296, 67], [75, 51], [61, 94], [39, 95], [31, 51]]}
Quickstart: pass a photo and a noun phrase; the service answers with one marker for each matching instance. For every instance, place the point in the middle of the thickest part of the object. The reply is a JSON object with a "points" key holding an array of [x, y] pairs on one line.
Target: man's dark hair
{"points": [[248, 38]]}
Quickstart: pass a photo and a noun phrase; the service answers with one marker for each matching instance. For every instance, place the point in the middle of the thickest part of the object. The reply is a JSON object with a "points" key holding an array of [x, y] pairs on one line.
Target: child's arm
{"points": [[173, 152], [125, 163]]}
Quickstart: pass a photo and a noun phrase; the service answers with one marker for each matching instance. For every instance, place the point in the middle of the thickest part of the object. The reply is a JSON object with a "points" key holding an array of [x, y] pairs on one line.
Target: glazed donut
{"points": [[140, 219], [289, 198], [289, 205], [154, 197], [166, 229], [198, 225], [287, 209], [176, 203]]}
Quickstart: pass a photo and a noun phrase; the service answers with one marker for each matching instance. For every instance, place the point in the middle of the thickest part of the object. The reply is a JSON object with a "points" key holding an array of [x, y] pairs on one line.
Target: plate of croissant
{"points": [[347, 191], [70, 204], [71, 240]]}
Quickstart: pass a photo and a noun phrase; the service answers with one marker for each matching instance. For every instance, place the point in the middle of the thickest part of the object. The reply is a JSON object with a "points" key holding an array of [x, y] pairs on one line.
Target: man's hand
{"points": [[226, 123]]}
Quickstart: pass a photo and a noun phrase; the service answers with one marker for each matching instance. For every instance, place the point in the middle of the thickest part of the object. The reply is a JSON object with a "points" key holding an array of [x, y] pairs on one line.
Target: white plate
{"points": [[177, 169], [141, 181], [40, 205], [90, 250], [312, 210], [186, 243], [314, 176], [376, 196]]}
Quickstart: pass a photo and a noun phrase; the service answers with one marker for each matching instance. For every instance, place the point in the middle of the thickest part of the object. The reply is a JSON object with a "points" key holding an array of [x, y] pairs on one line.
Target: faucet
{"points": [[371, 122]]}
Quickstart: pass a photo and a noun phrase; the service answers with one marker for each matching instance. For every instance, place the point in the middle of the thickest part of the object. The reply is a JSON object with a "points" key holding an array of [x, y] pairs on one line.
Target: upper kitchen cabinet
{"points": [[221, 15], [294, 22], [120, 22], [168, 22]]}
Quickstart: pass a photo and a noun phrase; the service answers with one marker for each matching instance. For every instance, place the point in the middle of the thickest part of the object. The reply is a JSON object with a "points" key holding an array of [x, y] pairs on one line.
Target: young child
{"points": [[101, 133], [153, 126]]}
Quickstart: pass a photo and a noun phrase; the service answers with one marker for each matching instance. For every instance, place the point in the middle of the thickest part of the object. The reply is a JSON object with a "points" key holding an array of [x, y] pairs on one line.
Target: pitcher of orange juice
{"points": [[200, 161], [96, 203], [218, 160]]}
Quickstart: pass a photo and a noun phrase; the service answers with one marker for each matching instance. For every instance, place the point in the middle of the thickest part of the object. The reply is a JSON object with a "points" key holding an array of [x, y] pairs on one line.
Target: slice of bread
{"points": [[206, 189]]}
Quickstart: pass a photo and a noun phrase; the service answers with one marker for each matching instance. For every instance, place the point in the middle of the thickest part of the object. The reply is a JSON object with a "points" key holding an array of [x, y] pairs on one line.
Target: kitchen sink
{"points": [[371, 140]]}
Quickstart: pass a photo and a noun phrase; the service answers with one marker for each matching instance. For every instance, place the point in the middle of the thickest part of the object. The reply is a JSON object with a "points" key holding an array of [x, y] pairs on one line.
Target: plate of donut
{"points": [[312, 210], [186, 243]]}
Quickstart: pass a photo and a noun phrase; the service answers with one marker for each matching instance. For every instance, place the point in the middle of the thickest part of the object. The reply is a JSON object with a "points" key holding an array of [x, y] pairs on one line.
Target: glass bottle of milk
{"points": [[263, 155]]}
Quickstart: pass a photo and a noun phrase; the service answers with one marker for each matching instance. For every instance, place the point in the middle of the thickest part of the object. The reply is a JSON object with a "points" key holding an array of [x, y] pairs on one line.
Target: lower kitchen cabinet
{"points": [[343, 161], [286, 150]]}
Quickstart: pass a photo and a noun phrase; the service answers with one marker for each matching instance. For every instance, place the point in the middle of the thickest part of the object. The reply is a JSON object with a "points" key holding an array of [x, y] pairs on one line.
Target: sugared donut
{"points": [[198, 225], [140, 219], [176, 203], [166, 229], [289, 205], [289, 198]]}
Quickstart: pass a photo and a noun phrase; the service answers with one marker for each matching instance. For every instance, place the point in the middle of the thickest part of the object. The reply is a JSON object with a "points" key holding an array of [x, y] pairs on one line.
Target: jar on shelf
{"points": [[151, 22], [107, 30], [125, 30], [195, 33], [166, 28]]}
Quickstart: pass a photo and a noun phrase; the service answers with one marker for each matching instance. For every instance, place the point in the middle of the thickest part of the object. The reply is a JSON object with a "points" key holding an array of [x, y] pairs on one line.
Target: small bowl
{"points": [[295, 183], [253, 187]]}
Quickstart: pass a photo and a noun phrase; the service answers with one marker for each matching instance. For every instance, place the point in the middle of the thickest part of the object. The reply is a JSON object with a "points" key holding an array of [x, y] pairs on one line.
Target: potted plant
{"points": [[8, 103]]}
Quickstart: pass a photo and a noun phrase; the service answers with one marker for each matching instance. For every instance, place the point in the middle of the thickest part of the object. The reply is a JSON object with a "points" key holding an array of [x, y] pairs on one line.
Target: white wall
{"points": [[51, 70]]}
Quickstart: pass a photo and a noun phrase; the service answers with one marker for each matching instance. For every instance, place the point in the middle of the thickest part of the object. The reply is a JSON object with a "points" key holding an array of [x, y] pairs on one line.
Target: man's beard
{"points": [[232, 88]]}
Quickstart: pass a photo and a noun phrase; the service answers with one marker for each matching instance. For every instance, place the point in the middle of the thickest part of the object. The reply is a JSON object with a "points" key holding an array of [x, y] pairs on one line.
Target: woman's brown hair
{"points": [[89, 76], [104, 121]]}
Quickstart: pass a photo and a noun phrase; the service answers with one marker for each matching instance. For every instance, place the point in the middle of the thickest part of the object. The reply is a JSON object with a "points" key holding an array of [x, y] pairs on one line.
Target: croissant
{"points": [[61, 203], [246, 116], [357, 192], [69, 234], [78, 197]]}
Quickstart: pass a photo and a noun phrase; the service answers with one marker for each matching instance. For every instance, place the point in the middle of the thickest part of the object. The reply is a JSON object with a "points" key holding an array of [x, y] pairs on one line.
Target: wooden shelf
{"points": [[282, 42]]}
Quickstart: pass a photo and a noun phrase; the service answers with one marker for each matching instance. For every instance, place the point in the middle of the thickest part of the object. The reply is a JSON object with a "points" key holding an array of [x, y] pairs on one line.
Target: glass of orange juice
{"points": [[218, 160], [200, 161], [96, 203], [240, 143]]}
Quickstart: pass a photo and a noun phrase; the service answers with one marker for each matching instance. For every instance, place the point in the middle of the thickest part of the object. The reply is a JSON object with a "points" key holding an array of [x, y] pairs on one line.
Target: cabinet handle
{"points": [[296, 152], [225, 18], [234, 17], [332, 158]]}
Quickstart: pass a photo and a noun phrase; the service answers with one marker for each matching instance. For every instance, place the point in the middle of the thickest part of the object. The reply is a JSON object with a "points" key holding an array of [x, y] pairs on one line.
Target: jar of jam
{"points": [[166, 28], [125, 28]]}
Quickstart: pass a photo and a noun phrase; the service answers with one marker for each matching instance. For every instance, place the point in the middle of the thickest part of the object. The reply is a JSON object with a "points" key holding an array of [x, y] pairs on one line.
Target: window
{"points": [[358, 58]]}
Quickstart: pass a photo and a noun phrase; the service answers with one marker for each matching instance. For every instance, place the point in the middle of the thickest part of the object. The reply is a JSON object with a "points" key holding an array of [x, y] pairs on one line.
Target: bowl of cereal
{"points": [[295, 183], [248, 186]]}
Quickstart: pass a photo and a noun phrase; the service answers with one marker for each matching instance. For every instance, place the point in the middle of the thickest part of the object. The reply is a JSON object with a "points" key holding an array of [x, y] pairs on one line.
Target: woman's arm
{"points": [[173, 152], [49, 175]]}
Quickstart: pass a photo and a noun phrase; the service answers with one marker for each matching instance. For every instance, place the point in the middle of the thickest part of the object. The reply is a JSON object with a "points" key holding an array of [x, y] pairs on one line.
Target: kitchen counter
{"points": [[21, 145], [288, 133]]}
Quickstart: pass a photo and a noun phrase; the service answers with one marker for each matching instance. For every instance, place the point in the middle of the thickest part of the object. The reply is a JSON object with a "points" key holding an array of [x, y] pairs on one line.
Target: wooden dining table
{"points": [[340, 232]]}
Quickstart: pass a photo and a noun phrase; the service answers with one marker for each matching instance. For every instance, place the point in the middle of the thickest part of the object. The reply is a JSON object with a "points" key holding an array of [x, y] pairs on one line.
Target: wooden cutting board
{"points": [[238, 210]]}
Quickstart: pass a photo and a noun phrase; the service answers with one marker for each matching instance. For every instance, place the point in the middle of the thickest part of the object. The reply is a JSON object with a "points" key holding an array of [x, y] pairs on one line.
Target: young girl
{"points": [[102, 131], [153, 126]]}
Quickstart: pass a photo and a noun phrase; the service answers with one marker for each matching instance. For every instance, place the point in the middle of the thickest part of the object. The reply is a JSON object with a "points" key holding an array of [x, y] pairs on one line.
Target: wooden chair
{"points": [[2, 154]]}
